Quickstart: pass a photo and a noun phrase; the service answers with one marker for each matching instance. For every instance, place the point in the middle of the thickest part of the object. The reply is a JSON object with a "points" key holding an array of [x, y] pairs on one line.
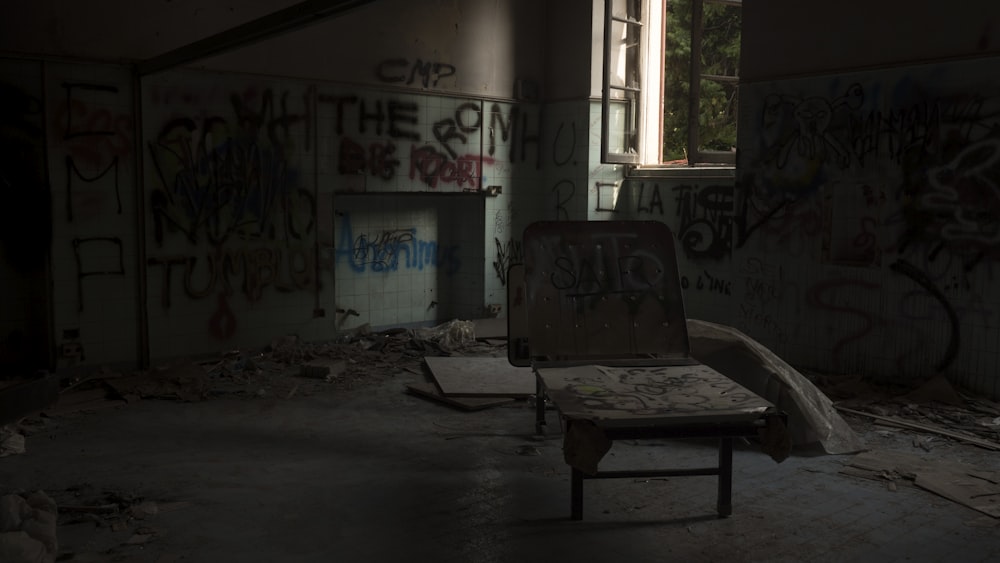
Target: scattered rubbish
{"points": [[528, 450], [923, 443], [323, 368], [183, 381], [11, 441], [987, 444], [958, 482], [143, 510], [93, 522], [141, 536], [28, 528], [450, 335]]}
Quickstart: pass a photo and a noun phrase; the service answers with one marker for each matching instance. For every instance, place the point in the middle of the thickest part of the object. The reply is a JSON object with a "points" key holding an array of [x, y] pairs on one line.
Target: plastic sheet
{"points": [[811, 415]]}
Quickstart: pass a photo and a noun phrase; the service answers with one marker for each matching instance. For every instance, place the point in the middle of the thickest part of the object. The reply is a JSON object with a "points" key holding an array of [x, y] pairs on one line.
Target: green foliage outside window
{"points": [[720, 56]]}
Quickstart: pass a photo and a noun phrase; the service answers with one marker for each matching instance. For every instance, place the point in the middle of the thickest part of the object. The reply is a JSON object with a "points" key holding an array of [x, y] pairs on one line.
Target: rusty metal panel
{"points": [[603, 290]]}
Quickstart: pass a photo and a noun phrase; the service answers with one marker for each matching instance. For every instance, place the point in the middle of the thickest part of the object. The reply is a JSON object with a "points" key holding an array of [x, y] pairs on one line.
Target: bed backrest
{"points": [[602, 290]]}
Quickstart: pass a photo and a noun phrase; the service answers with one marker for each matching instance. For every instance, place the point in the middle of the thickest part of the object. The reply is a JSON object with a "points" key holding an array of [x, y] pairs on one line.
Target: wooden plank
{"points": [[977, 494], [459, 376], [430, 391], [955, 481], [924, 428], [490, 328]]}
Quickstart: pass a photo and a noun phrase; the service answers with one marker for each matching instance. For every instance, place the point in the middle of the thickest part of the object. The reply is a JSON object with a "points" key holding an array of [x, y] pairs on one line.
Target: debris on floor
{"points": [[934, 408], [183, 381], [450, 335], [958, 482], [93, 524], [28, 528], [11, 441], [288, 367], [922, 427], [326, 369]]}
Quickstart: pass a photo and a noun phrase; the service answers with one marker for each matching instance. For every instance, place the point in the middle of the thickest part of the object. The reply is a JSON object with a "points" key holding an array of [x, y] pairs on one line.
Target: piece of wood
{"points": [[924, 428], [873, 475], [975, 493], [490, 328], [459, 376], [430, 391], [955, 481]]}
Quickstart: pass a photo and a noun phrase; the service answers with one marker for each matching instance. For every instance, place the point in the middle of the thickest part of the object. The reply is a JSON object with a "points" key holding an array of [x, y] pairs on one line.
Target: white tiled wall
{"points": [[386, 274]]}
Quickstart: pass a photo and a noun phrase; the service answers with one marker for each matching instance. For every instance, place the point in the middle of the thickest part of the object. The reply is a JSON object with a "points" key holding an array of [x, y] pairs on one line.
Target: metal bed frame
{"points": [[596, 310]]}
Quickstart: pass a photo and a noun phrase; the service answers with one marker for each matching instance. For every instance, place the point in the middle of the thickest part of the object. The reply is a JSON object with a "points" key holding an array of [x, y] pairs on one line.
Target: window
{"points": [[623, 42], [671, 81]]}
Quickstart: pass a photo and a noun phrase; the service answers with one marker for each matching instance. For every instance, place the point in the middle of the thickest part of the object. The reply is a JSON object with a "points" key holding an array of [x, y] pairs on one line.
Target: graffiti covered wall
{"points": [[699, 212], [306, 207], [867, 221], [91, 166]]}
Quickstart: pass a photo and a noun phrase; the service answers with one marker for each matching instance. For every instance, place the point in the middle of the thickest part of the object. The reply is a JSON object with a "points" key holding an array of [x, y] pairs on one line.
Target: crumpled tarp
{"points": [[811, 415]]}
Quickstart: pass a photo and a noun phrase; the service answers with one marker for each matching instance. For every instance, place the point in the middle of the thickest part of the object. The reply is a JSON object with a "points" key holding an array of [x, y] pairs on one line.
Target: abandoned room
{"points": [[499, 280]]}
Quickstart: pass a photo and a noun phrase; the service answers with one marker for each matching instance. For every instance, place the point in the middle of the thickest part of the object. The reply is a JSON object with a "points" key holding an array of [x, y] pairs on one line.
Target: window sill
{"points": [[710, 171]]}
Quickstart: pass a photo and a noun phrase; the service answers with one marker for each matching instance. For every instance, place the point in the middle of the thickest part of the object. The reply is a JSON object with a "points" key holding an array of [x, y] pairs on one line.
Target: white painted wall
{"points": [[246, 172]]}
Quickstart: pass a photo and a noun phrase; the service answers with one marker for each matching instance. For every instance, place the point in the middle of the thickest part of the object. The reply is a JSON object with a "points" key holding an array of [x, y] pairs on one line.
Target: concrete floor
{"points": [[375, 474]]}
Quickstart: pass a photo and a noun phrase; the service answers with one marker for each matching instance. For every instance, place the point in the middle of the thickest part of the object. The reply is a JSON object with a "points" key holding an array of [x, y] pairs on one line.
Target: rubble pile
{"points": [[28, 528]]}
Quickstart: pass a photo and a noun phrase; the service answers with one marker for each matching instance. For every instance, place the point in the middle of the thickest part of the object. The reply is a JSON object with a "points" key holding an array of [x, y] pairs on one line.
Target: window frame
{"points": [[695, 76], [648, 155], [633, 110]]}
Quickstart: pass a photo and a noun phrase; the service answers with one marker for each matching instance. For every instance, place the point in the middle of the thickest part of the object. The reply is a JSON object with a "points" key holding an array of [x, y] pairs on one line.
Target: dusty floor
{"points": [[367, 472]]}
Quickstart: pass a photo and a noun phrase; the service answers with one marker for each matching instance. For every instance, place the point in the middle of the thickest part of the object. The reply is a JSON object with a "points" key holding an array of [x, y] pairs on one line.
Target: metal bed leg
{"points": [[725, 502], [576, 494], [539, 406]]}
